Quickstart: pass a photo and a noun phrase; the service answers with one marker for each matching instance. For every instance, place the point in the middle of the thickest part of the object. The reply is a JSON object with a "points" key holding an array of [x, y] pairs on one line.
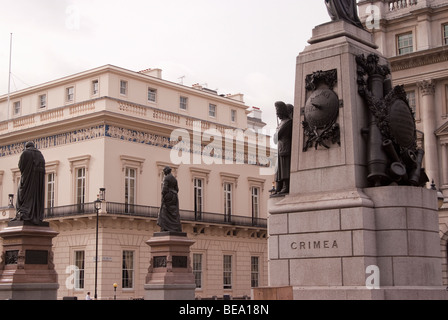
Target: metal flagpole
{"points": [[9, 77]]}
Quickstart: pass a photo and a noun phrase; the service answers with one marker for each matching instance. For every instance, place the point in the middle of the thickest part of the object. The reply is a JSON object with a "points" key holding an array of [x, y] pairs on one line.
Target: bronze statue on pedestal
{"points": [[344, 10], [31, 190], [169, 217]]}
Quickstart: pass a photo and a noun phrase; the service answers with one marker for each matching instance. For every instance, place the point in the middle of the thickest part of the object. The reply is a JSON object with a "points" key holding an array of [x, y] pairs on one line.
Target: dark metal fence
{"points": [[70, 210], [132, 210], [152, 212]]}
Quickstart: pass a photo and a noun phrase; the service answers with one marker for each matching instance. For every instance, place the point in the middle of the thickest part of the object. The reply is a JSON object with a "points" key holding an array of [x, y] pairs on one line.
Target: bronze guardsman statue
{"points": [[344, 10], [169, 217], [31, 191], [283, 138]]}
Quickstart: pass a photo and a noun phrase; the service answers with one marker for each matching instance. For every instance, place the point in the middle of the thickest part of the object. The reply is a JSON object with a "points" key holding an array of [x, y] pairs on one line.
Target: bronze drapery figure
{"points": [[169, 217], [344, 10], [31, 190], [283, 138]]}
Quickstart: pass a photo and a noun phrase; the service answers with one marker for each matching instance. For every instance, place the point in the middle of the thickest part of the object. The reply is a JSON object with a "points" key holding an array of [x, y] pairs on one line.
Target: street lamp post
{"points": [[103, 194], [115, 291], [97, 209], [11, 201]]}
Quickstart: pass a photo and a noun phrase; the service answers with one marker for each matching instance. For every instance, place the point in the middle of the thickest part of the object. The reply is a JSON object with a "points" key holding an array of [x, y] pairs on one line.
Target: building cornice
{"points": [[163, 120], [106, 125], [122, 72], [419, 59]]}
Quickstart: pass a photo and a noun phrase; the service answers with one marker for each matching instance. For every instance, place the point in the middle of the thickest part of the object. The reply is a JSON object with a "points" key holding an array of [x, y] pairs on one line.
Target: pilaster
{"points": [[429, 123]]}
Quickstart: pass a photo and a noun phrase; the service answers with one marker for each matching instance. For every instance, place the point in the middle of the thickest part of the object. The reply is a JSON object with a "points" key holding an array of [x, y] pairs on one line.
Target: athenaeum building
{"points": [[115, 130], [413, 35]]}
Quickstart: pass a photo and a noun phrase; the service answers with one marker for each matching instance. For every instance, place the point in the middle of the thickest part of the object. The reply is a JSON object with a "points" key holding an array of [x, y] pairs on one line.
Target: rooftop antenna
{"points": [[181, 79], [9, 76]]}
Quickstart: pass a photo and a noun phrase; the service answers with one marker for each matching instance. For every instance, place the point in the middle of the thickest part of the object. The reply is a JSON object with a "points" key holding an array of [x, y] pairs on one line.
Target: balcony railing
{"points": [[70, 210], [152, 212], [401, 4]]}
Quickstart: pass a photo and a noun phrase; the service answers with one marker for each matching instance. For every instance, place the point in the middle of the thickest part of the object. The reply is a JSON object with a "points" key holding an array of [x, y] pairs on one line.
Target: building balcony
{"points": [[395, 5], [122, 209], [71, 112]]}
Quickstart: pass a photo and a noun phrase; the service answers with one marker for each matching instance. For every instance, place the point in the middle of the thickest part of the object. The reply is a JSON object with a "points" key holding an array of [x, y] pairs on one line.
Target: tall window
{"points": [[198, 196], [227, 272], [405, 43], [95, 87], [123, 87], [183, 103], [254, 271], [50, 189], [152, 95], [16, 108], [80, 185], [227, 201], [42, 101], [445, 34], [197, 269], [79, 167], [411, 98], [233, 115], [129, 186], [212, 110], [446, 99], [70, 94], [79, 271], [128, 270], [255, 202]]}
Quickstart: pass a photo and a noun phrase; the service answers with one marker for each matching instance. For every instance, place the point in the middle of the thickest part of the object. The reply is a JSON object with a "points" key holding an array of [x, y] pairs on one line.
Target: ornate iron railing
{"points": [[152, 212]]}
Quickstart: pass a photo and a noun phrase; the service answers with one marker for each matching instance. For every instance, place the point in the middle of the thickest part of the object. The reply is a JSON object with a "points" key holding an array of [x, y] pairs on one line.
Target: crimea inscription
{"points": [[313, 245]]}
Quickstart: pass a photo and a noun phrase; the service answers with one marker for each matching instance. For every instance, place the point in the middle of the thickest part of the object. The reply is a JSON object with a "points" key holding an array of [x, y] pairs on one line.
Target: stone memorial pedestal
{"points": [[335, 236], [170, 276], [386, 246], [26, 267]]}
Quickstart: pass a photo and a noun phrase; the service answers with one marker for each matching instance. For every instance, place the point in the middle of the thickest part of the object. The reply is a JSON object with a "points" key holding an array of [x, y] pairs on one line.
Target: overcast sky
{"points": [[233, 46]]}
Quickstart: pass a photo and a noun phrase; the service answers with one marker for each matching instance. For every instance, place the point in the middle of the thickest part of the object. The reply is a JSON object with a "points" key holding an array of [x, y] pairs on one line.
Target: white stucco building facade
{"points": [[117, 129]]}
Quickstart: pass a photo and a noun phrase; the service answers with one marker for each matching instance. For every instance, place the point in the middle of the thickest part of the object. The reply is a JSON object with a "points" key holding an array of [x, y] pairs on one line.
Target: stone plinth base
{"points": [[349, 293], [170, 292], [362, 293], [338, 248], [170, 276], [29, 291], [274, 293], [26, 268]]}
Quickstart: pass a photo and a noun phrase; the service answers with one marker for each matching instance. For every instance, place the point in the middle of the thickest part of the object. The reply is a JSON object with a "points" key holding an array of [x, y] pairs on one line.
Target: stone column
{"points": [[429, 121], [444, 165]]}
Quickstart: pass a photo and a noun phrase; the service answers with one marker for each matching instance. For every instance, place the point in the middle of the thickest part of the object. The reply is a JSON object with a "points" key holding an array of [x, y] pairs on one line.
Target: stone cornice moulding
{"points": [[258, 182], [161, 165], [200, 172], [229, 177], [79, 161], [132, 161], [419, 58], [52, 166]]}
